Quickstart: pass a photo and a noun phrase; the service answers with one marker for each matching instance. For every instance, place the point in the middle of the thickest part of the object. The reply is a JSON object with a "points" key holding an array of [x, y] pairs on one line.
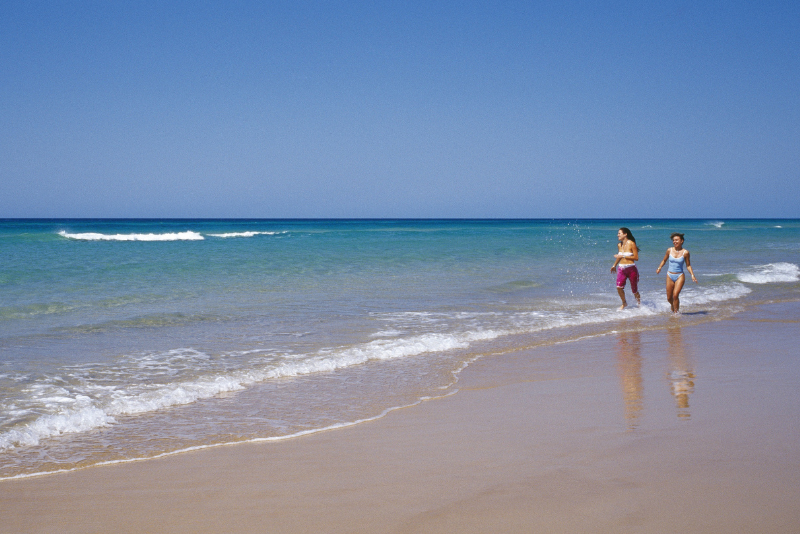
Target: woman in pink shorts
{"points": [[627, 253]]}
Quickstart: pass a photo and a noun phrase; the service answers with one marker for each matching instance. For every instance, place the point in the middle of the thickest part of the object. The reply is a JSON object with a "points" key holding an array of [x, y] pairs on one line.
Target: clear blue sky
{"points": [[400, 109]]}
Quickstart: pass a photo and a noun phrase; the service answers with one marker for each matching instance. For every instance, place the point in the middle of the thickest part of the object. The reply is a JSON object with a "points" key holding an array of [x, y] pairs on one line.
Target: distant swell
{"points": [[178, 236], [244, 234]]}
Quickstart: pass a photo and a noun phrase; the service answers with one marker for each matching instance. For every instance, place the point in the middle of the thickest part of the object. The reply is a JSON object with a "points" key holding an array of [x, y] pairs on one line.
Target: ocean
{"points": [[124, 340]]}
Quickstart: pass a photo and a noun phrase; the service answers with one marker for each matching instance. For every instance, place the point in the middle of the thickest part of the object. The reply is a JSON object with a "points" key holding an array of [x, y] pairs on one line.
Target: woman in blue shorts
{"points": [[678, 258], [628, 252]]}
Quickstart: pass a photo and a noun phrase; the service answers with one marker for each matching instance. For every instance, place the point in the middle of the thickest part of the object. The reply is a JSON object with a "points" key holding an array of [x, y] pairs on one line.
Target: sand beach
{"points": [[690, 428], [353, 268]]}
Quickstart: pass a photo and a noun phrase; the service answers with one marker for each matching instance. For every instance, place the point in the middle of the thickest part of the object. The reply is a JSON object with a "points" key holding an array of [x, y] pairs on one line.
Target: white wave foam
{"points": [[98, 405], [176, 236], [47, 426], [380, 349], [715, 224], [707, 295], [771, 273], [244, 234], [387, 333], [80, 413], [252, 440]]}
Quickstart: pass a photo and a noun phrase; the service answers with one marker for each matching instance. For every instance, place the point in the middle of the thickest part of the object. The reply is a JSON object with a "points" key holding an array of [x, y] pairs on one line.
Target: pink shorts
{"points": [[631, 273]]}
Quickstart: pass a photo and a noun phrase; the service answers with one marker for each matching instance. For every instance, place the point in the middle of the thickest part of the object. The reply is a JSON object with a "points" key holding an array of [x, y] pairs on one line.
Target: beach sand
{"points": [[688, 429]]}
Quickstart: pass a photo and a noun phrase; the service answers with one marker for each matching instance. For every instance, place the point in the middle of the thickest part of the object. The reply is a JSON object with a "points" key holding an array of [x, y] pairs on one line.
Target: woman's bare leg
{"points": [[621, 291], [670, 293], [676, 293]]}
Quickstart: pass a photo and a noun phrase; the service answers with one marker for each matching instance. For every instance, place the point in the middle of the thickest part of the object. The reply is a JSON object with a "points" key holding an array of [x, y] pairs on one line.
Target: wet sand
{"points": [[689, 429]]}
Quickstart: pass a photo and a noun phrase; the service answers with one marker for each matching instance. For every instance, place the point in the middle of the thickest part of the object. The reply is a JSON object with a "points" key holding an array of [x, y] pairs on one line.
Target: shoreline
{"points": [[627, 431], [579, 333]]}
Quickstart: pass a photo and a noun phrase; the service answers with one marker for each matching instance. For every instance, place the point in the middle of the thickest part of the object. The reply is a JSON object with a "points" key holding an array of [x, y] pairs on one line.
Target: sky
{"points": [[451, 109]]}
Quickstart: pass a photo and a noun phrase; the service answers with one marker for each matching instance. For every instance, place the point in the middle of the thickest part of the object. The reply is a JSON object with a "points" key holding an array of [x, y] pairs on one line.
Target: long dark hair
{"points": [[628, 233]]}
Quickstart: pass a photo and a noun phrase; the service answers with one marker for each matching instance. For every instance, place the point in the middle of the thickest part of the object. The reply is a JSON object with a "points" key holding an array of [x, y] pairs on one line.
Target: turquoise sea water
{"points": [[127, 339]]}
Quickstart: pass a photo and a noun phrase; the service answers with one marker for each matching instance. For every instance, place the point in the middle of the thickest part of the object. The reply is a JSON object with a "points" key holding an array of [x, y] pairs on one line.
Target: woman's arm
{"points": [[663, 262], [635, 250], [618, 257], [689, 266]]}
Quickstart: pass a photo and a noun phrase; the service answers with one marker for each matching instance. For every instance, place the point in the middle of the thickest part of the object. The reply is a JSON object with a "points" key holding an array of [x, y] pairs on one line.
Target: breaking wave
{"points": [[177, 236], [771, 273]]}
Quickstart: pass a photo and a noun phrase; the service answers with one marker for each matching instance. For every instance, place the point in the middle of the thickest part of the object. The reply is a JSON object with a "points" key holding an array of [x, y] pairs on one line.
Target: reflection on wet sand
{"points": [[681, 374], [629, 366]]}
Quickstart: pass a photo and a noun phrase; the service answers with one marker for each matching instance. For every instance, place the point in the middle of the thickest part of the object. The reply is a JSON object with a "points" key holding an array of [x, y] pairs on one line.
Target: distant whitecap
{"points": [[176, 236], [244, 234]]}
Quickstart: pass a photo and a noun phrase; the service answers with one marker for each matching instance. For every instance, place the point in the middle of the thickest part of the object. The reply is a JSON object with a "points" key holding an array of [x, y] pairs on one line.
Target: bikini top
{"points": [[676, 264]]}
